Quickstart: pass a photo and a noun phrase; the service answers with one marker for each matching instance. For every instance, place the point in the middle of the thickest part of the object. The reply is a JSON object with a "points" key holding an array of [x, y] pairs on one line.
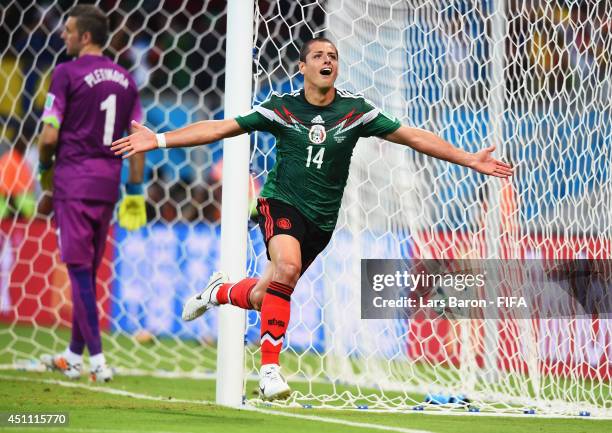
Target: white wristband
{"points": [[161, 140]]}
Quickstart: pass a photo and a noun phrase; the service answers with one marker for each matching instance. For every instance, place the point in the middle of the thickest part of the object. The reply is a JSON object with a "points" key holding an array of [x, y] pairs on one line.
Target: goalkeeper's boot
{"points": [[102, 373], [272, 384], [198, 304], [61, 364]]}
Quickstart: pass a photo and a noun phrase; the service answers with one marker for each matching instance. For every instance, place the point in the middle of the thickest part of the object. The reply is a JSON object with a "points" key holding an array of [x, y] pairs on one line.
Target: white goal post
{"points": [[238, 85]]}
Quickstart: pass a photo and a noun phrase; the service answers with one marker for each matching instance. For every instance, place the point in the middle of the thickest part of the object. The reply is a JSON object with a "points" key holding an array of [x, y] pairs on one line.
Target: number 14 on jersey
{"points": [[318, 158]]}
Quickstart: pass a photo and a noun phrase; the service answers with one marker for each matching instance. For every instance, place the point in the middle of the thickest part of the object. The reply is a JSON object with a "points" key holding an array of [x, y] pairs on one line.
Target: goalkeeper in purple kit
{"points": [[90, 103]]}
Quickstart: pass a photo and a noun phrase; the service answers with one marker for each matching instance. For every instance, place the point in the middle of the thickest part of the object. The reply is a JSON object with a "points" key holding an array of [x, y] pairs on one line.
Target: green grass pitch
{"points": [[91, 411], [180, 405]]}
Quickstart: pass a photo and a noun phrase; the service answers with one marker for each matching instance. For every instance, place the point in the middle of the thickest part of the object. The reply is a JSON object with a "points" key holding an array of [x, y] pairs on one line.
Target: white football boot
{"points": [[61, 364], [272, 384], [198, 304], [102, 373]]}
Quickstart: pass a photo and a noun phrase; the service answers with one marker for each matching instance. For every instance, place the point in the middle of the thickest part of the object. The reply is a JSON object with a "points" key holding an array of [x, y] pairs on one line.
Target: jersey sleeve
{"points": [[260, 118], [55, 102], [376, 122]]}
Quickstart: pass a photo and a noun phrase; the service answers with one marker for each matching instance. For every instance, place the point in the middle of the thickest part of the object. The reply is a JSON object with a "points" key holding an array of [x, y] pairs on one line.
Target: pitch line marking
{"points": [[136, 395]]}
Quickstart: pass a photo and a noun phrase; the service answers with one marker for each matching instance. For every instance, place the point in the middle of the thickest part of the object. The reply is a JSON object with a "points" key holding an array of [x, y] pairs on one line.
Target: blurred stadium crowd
{"points": [[174, 49]]}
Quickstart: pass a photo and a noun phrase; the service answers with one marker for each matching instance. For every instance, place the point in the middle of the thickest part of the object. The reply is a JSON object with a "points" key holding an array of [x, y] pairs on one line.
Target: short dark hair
{"points": [[91, 19], [306, 47]]}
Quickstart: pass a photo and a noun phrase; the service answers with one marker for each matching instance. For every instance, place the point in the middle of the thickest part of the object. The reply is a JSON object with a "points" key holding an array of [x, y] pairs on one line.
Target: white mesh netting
{"points": [[534, 79]]}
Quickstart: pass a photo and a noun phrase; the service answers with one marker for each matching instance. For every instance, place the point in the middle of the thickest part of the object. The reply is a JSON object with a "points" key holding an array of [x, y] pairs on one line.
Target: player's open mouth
{"points": [[326, 71]]}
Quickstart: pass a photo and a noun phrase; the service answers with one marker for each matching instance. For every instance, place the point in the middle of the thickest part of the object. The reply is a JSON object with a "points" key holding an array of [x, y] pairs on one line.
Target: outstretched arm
{"points": [[430, 144], [204, 132]]}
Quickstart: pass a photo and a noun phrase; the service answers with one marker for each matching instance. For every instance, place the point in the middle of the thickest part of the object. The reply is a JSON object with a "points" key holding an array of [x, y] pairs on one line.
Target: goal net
{"points": [[532, 79]]}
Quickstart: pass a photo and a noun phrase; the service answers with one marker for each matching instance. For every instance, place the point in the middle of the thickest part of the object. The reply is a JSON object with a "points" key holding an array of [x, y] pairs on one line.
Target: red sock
{"points": [[275, 314], [237, 294]]}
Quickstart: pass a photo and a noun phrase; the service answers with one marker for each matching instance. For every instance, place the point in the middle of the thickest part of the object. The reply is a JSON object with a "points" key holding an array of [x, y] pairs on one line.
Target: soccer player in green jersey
{"points": [[316, 130]]}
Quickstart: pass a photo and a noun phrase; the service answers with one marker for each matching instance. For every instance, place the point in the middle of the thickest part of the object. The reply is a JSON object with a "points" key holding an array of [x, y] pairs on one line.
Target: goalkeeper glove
{"points": [[132, 214], [45, 176]]}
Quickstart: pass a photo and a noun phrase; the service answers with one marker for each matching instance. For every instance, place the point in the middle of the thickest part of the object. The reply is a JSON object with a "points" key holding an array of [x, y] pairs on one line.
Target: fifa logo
{"points": [[317, 134]]}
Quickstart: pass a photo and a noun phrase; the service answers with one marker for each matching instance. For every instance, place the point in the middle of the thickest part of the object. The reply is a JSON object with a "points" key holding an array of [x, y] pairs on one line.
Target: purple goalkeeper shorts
{"points": [[82, 226]]}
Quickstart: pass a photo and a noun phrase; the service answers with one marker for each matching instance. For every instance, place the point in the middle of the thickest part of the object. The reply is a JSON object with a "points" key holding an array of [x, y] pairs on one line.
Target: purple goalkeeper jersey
{"points": [[92, 101]]}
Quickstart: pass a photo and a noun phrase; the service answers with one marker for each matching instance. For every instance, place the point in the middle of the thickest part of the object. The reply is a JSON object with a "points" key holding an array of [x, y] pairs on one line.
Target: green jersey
{"points": [[314, 146]]}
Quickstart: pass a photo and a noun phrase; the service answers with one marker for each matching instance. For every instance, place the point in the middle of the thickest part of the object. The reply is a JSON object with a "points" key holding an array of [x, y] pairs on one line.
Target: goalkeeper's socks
{"points": [[97, 361], [84, 306], [237, 294], [73, 358], [275, 314]]}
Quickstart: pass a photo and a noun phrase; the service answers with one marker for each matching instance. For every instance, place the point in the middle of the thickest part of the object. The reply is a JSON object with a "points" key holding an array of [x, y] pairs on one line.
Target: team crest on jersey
{"points": [[317, 134]]}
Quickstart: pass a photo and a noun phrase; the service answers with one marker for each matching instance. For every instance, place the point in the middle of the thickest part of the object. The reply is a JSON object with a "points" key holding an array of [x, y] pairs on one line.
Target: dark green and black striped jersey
{"points": [[314, 146]]}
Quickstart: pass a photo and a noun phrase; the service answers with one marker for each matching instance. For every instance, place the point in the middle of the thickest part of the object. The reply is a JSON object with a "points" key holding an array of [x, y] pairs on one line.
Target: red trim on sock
{"points": [[284, 288]]}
